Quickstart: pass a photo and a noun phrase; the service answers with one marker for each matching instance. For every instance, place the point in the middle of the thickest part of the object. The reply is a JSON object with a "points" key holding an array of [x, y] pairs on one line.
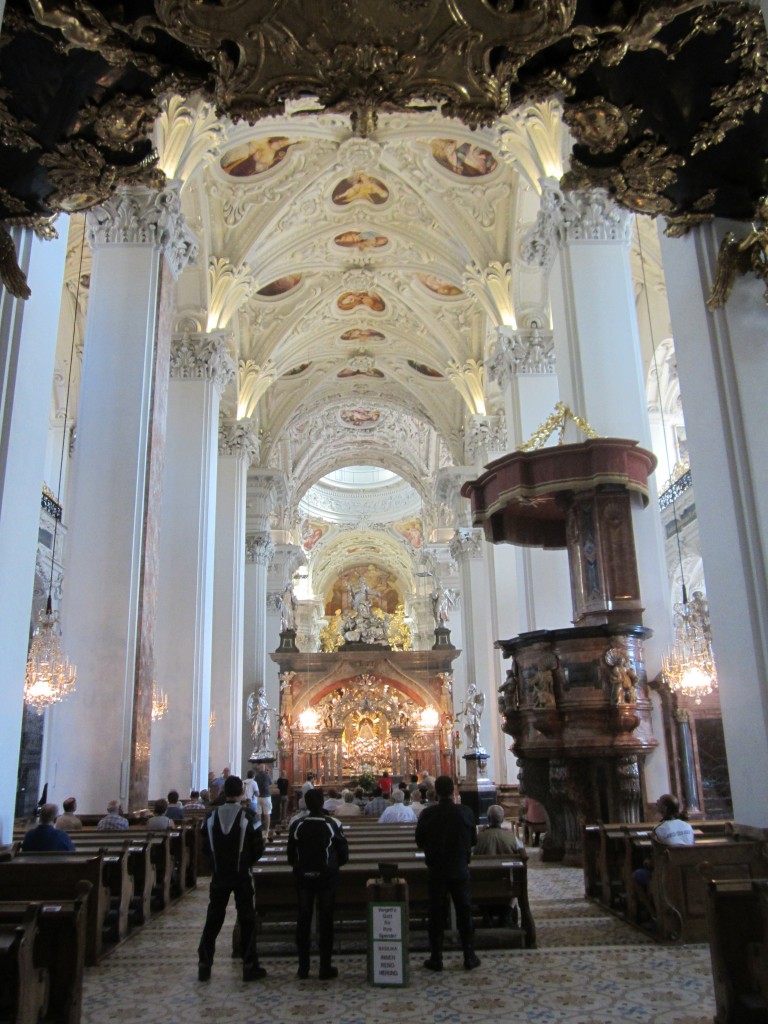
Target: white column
{"points": [[27, 352], [201, 367], [523, 363], [721, 359], [479, 662], [258, 555], [586, 237], [238, 447], [93, 747]]}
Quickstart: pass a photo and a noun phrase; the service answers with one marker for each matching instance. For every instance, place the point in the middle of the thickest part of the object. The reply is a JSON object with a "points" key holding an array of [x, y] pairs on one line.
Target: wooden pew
{"points": [[53, 877], [680, 877], [23, 986], [737, 914], [59, 950], [494, 880]]}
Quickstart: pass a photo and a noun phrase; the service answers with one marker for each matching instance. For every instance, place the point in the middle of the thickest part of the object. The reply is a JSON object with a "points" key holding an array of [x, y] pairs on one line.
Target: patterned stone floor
{"points": [[590, 968]]}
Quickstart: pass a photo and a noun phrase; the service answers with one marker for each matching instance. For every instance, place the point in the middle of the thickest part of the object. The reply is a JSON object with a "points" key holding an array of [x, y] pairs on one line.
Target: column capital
{"points": [[143, 216], [202, 356], [484, 434], [583, 215], [239, 438], [259, 548], [466, 543], [521, 352]]}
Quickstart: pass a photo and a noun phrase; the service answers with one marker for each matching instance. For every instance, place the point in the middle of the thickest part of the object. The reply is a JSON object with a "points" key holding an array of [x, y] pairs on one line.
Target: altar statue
{"points": [[261, 724], [360, 595], [443, 600], [287, 605], [471, 711]]}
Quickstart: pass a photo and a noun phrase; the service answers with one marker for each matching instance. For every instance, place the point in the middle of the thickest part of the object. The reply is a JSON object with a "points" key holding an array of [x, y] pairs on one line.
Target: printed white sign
{"points": [[387, 924], [387, 963]]}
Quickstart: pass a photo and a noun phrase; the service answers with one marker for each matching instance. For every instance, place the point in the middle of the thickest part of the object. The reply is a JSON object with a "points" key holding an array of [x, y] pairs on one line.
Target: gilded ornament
{"points": [[12, 277], [599, 125], [637, 183], [741, 256], [556, 421]]}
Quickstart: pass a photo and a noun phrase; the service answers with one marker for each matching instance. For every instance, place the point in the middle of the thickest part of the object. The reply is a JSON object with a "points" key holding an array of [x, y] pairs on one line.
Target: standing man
{"points": [[283, 787], [263, 782], [446, 832], [317, 848], [234, 842]]}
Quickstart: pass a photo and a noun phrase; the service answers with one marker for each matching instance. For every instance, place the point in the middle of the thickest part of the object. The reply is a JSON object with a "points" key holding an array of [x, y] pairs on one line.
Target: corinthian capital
{"points": [[202, 357], [240, 438], [584, 215], [520, 352], [259, 548], [141, 216]]}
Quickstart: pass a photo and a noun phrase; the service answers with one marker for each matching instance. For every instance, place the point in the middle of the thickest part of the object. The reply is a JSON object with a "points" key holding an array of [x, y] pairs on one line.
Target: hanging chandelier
{"points": [[689, 667], [159, 703], [50, 675]]}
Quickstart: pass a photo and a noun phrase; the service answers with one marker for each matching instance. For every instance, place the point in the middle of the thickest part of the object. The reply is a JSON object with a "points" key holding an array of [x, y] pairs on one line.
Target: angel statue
{"points": [[261, 725], [443, 600], [287, 605], [740, 256], [471, 711]]}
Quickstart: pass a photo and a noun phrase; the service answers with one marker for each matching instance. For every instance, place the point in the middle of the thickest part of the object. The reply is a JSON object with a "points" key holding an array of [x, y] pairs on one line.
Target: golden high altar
{"points": [[365, 710]]}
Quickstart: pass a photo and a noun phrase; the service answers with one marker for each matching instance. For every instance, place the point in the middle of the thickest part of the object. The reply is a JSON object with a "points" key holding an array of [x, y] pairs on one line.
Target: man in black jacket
{"points": [[234, 841], [317, 848], [446, 832]]}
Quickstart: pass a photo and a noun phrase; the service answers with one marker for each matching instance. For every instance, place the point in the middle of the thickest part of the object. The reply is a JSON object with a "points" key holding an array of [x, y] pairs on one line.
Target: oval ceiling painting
{"points": [[360, 186], [438, 285], [280, 286], [255, 157], [422, 368], [362, 334], [359, 417], [296, 370], [463, 158], [361, 240], [350, 371], [351, 300]]}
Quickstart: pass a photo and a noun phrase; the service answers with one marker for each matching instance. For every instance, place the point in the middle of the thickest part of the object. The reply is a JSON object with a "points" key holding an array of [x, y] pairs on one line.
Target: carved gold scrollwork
{"points": [[741, 256], [599, 125], [637, 183]]}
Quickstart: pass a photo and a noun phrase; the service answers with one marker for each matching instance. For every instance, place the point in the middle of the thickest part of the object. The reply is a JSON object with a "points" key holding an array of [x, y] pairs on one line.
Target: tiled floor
{"points": [[590, 968]]}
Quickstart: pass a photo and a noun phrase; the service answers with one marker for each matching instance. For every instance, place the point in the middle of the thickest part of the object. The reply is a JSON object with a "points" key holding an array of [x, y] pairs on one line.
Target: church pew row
{"points": [[54, 877], [57, 948], [679, 874], [494, 881], [605, 851], [737, 912], [23, 986]]}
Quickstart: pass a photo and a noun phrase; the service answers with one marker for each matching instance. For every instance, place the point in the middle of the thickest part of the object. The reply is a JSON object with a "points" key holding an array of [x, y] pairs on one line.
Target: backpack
{"points": [[314, 853]]}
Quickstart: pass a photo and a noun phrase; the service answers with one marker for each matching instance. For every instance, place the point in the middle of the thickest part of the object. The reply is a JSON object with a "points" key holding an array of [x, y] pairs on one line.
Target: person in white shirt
{"points": [[397, 811], [348, 808], [251, 790], [672, 830]]}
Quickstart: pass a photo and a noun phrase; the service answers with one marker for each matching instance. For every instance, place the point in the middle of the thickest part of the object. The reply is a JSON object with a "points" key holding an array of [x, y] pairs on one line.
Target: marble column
{"points": [[27, 352], [201, 367], [238, 448], [479, 662], [584, 237], [111, 571], [535, 587], [721, 360]]}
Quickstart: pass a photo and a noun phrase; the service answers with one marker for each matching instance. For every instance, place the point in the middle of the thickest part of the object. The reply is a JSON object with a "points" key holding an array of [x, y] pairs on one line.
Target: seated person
{"points": [[417, 804], [347, 808], [160, 822], [494, 839], [398, 811], [195, 802], [45, 837], [672, 830], [113, 818], [534, 819], [376, 805], [68, 821], [175, 808]]}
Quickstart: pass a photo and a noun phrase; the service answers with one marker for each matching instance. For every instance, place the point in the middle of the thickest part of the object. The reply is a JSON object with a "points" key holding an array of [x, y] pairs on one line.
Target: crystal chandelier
{"points": [[50, 676], [689, 667], [159, 703]]}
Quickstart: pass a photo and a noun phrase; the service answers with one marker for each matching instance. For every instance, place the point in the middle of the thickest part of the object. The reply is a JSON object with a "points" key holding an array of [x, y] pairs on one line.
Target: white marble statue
{"points": [[471, 711], [261, 723]]}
